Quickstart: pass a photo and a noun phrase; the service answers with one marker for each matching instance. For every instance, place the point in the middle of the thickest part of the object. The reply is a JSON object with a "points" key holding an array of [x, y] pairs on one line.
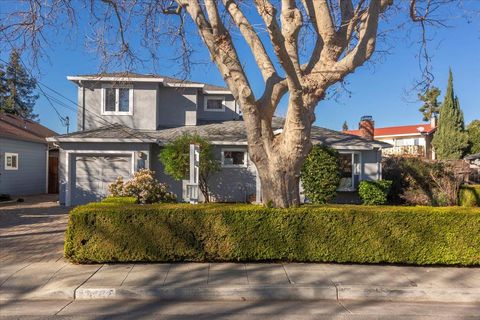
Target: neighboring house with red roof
{"points": [[27, 160], [408, 140]]}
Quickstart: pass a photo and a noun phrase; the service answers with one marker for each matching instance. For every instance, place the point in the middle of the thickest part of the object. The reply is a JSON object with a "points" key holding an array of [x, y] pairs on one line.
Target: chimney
{"points": [[366, 127], [433, 121]]}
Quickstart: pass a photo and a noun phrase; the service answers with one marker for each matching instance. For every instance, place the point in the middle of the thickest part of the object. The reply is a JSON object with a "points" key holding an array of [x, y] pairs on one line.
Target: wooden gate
{"points": [[52, 175]]}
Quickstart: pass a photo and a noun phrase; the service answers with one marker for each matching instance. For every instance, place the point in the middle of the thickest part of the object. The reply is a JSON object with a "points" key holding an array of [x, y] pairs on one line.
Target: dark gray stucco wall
{"points": [[230, 112], [176, 106], [30, 178], [233, 184], [175, 186]]}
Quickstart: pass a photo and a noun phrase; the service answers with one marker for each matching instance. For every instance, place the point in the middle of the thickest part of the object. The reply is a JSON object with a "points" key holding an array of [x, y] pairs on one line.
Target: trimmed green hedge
{"points": [[120, 200], [469, 196], [222, 232]]}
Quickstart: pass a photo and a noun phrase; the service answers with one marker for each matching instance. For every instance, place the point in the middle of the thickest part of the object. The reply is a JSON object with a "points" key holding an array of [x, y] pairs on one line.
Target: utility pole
{"points": [[67, 123]]}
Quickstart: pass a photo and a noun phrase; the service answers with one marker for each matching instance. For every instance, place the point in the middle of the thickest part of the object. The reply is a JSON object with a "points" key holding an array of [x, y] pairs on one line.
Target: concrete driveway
{"points": [[32, 231]]}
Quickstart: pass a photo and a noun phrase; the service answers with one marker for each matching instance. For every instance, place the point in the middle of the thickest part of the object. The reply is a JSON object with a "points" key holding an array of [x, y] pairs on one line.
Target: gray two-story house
{"points": [[125, 119]]}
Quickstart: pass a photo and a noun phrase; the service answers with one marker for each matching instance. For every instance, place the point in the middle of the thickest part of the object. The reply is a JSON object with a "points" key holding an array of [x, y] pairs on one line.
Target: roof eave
{"points": [[77, 79], [217, 91], [101, 140]]}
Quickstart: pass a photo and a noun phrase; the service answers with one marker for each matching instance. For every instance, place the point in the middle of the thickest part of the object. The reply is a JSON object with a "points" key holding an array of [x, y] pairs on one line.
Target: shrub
{"points": [[421, 182], [117, 200], [225, 232], [175, 157], [320, 174], [143, 187], [374, 192], [470, 196]]}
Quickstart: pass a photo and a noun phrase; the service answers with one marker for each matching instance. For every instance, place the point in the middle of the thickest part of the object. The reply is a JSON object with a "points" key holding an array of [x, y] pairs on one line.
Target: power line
{"points": [[67, 120], [63, 104]]}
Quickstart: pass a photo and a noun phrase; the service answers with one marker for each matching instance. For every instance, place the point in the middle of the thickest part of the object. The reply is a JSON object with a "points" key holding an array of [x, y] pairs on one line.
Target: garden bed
{"points": [[117, 232]]}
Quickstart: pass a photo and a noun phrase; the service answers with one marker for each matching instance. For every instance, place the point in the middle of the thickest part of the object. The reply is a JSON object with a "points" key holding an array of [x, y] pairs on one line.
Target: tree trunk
{"points": [[280, 187], [279, 160]]}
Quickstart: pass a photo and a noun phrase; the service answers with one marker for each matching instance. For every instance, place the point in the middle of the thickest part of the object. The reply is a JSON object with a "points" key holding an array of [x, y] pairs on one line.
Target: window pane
{"points": [[14, 161], [346, 182], [109, 99], [234, 158], [214, 104], [9, 161], [124, 100], [346, 165]]}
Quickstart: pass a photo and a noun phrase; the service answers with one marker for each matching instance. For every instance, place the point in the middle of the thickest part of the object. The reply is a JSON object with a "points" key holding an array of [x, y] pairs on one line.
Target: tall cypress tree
{"points": [[450, 140], [430, 107], [17, 94], [3, 87]]}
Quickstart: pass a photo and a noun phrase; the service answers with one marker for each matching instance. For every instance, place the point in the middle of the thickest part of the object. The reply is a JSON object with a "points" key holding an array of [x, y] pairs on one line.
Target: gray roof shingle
{"points": [[221, 132]]}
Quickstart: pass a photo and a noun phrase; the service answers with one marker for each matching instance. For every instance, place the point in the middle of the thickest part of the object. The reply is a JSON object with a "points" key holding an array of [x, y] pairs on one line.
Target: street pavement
{"points": [[35, 281], [237, 310]]}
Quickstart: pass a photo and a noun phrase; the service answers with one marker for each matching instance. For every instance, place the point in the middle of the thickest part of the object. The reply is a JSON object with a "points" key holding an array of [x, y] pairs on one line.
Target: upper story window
{"points": [[215, 104], [117, 100], [11, 161], [234, 158]]}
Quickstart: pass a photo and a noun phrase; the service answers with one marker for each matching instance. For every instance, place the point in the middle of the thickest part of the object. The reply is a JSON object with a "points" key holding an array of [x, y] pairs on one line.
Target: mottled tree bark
{"points": [[279, 157]]}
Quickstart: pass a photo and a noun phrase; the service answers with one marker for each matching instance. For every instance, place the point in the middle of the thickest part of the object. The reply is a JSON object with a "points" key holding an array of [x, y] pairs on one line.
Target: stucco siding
{"points": [[230, 112], [230, 184], [233, 184], [144, 107], [370, 164], [176, 106], [156, 165], [30, 178]]}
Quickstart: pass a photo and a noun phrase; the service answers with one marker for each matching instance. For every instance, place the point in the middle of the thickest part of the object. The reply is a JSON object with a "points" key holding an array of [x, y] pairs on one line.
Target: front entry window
{"points": [[234, 158], [350, 171]]}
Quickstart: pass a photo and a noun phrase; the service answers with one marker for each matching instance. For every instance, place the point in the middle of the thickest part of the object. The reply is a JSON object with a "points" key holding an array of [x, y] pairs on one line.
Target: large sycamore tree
{"points": [[345, 34]]}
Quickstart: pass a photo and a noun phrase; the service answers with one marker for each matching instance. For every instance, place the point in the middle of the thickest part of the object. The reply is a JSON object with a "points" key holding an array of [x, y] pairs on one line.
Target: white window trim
{"points": [[116, 112], [360, 174], [206, 98], [10, 154], [245, 158]]}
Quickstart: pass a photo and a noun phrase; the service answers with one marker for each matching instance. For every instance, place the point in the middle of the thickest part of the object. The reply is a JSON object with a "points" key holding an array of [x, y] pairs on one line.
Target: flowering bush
{"points": [[144, 187]]}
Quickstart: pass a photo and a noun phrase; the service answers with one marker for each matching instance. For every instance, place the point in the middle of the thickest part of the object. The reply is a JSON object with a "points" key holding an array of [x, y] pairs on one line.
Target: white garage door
{"points": [[93, 174]]}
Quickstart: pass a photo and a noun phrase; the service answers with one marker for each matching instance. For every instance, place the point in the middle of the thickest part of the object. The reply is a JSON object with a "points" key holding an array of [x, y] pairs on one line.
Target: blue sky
{"points": [[382, 89]]}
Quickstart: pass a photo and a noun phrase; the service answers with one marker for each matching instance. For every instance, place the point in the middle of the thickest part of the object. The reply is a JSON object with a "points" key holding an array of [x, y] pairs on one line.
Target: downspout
{"points": [[83, 105]]}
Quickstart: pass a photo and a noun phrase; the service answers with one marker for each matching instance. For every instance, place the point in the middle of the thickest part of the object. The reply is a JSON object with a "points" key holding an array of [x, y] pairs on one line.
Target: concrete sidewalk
{"points": [[238, 282]]}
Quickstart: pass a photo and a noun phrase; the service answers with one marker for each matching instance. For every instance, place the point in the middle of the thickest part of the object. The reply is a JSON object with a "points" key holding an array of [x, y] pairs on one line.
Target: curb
{"points": [[273, 293]]}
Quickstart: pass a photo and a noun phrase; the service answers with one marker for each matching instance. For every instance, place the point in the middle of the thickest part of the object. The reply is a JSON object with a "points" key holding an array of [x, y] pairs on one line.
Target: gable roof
{"points": [[425, 128], [138, 77], [15, 127], [226, 132]]}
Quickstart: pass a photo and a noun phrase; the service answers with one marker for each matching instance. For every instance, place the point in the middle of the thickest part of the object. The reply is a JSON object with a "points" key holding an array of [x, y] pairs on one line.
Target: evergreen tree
{"points": [[450, 140], [345, 126], [3, 87], [17, 94], [473, 130], [430, 107]]}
